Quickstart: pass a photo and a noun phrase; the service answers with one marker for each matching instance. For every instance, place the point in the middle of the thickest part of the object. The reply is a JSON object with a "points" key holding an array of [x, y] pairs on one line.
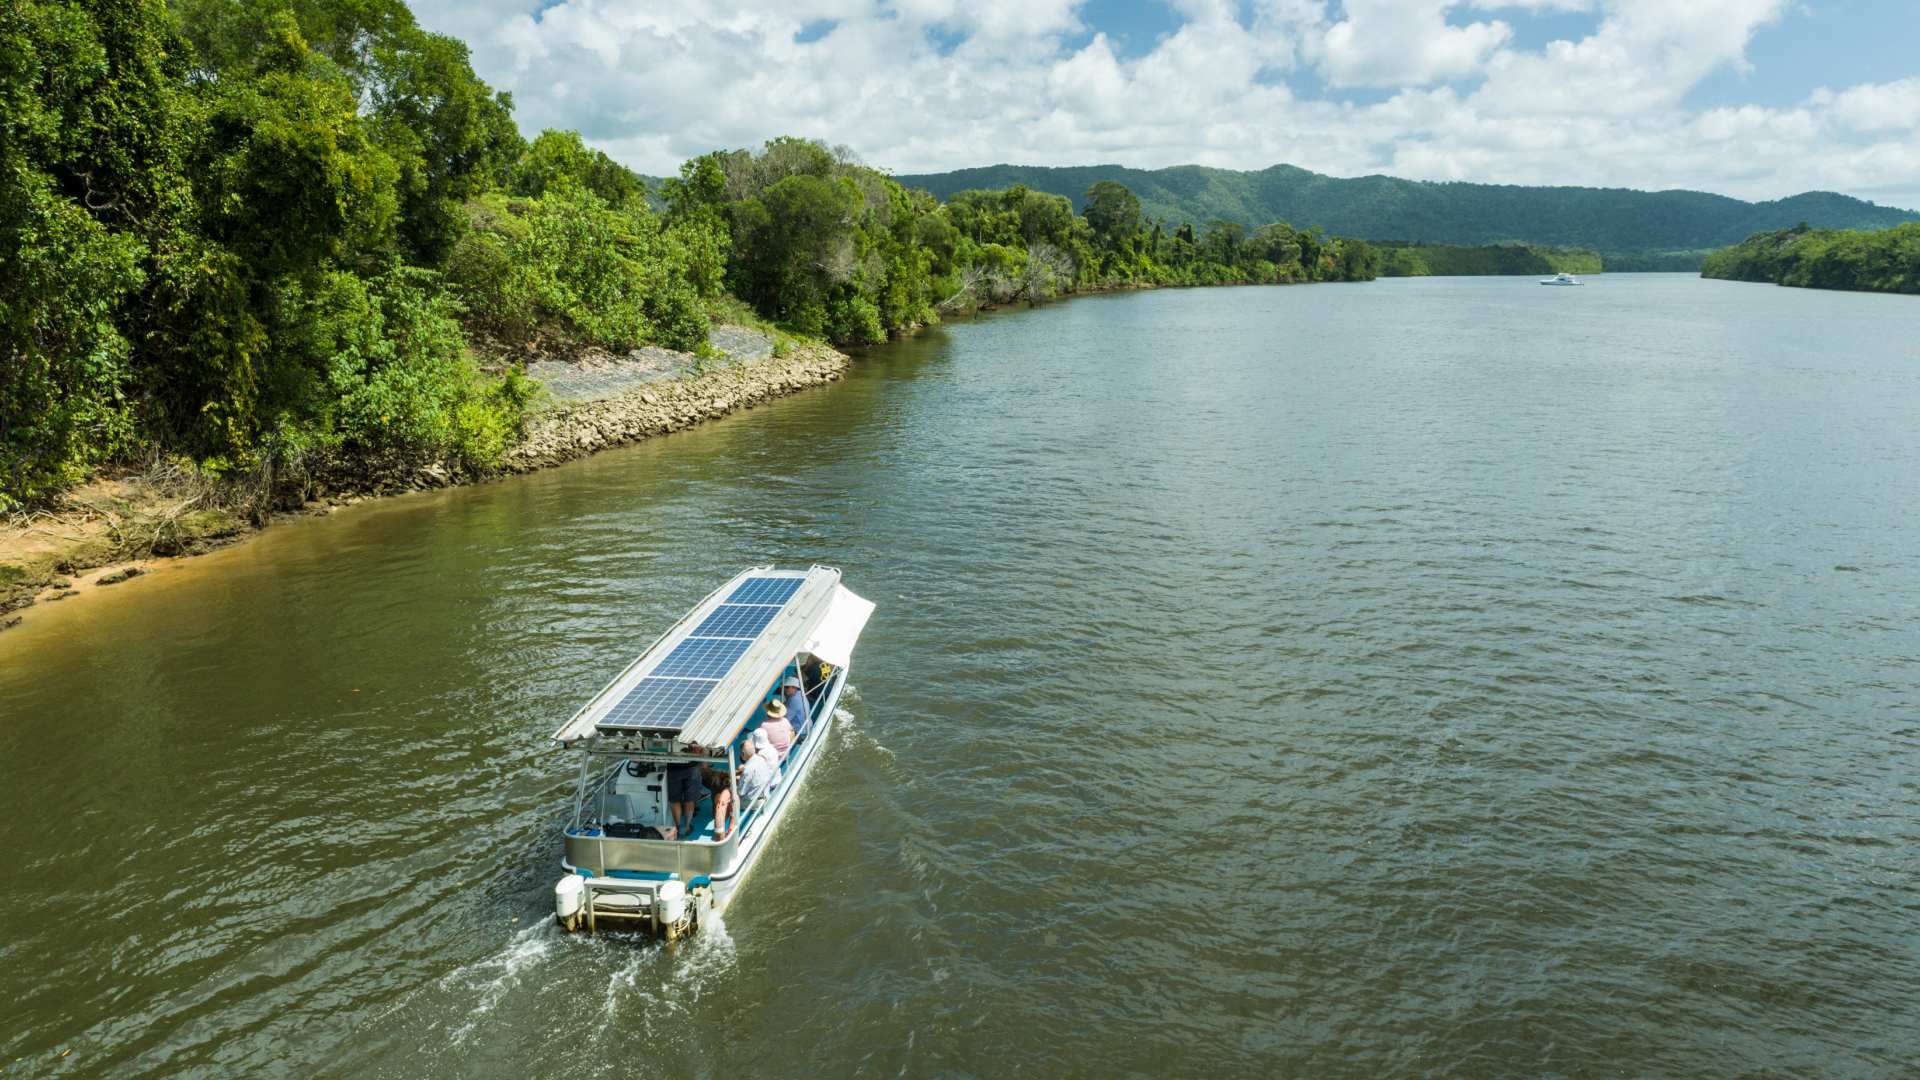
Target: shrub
{"points": [[568, 261], [390, 377], [63, 365]]}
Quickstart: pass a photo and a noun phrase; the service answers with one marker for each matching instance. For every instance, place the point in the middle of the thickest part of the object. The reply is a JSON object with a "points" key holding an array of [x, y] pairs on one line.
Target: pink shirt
{"points": [[780, 734]]}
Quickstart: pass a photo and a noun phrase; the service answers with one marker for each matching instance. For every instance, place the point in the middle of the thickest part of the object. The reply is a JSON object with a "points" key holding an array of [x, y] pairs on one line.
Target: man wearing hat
{"points": [[796, 703]]}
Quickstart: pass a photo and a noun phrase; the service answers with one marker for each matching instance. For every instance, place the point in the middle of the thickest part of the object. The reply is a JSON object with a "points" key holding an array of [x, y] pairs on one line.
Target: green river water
{"points": [[1426, 677]]}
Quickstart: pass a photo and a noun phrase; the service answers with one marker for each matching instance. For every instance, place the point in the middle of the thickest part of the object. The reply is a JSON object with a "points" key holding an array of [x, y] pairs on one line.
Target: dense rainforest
{"points": [[1633, 230], [1884, 260], [269, 237]]}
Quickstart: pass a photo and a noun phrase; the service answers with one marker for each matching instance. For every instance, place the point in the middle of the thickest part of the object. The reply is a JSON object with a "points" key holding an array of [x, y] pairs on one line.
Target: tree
{"points": [[562, 157], [1112, 212], [451, 136], [1048, 269]]}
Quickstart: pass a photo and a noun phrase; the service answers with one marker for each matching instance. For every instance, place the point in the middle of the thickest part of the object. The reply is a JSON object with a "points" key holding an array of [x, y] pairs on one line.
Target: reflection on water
{"points": [[1422, 676]]}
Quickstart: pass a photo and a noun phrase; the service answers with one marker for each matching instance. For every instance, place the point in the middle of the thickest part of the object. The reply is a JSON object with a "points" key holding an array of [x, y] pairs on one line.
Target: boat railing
{"points": [[605, 855]]}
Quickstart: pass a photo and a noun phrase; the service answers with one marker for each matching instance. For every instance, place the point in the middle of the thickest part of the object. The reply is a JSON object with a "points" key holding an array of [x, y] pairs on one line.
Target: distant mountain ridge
{"points": [[1608, 220]]}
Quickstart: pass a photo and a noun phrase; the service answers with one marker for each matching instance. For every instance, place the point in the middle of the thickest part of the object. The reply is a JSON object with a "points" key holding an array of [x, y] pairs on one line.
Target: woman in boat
{"points": [[726, 808], [779, 731]]}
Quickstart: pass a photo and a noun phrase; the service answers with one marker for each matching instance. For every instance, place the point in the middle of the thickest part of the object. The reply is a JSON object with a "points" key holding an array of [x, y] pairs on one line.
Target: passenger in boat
{"points": [[684, 794], [779, 731], [759, 769], [797, 712], [726, 808]]}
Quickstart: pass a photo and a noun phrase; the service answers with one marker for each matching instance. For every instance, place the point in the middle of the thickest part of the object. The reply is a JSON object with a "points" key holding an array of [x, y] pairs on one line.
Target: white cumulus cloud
{"points": [[1401, 43], [922, 85]]}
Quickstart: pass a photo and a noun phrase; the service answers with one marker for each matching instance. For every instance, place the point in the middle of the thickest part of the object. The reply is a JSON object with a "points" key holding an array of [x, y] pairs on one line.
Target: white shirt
{"points": [[758, 776]]}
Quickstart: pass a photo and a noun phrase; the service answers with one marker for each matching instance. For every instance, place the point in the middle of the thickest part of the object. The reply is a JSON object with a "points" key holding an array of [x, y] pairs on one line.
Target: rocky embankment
{"points": [[623, 414], [117, 528]]}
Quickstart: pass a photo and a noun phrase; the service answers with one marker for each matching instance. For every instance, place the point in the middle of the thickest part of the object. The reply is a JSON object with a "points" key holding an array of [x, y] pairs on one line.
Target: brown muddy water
{"points": [[1428, 677]]}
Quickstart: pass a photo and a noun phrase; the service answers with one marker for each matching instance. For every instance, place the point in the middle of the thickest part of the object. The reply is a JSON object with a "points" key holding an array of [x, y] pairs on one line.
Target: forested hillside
{"points": [[1885, 260], [1422, 260], [279, 239], [1612, 221]]}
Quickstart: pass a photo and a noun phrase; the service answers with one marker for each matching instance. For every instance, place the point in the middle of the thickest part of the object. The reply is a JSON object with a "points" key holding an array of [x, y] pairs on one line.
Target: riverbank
{"points": [[1887, 260], [123, 526]]}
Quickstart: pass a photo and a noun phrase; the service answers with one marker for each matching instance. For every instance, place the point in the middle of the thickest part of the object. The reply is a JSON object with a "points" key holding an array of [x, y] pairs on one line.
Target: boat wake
{"points": [[498, 975], [852, 735], [661, 986]]}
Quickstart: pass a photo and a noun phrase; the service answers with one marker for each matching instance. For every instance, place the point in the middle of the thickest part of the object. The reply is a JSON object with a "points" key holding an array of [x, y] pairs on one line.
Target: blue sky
{"points": [[1755, 98]]}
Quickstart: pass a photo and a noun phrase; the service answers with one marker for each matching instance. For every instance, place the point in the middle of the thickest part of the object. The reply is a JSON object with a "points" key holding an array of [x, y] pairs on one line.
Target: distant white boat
{"points": [[1560, 279]]}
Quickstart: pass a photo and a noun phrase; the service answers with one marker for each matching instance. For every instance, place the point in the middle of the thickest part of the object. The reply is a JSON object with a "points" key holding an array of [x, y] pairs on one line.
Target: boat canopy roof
{"points": [[703, 679]]}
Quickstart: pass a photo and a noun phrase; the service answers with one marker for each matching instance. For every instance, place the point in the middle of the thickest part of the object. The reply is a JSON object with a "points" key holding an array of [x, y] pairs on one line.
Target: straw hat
{"points": [[776, 710]]}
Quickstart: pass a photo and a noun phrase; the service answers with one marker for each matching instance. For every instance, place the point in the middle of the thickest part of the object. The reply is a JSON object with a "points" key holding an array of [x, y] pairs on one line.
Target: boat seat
{"points": [[618, 807]]}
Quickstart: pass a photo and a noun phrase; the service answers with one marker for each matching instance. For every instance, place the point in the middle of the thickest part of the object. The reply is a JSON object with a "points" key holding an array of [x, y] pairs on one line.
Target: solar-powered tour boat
{"points": [[693, 697]]}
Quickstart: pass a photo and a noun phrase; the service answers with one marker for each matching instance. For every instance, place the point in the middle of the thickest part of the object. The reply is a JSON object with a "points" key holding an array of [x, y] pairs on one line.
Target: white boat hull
{"points": [[759, 834], [630, 901]]}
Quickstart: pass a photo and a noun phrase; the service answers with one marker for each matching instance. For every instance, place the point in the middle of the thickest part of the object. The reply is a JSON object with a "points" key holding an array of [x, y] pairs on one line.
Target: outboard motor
{"points": [[670, 908], [569, 897]]}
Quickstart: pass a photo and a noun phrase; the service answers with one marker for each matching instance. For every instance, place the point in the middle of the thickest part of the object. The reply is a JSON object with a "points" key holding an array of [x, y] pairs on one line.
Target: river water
{"points": [[1440, 676]]}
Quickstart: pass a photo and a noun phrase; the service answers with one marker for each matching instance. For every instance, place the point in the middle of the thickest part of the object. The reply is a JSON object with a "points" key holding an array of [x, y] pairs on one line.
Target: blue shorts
{"points": [[683, 784]]}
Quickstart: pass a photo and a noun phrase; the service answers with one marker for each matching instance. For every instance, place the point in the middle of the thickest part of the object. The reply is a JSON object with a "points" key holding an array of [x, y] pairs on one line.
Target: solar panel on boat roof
{"points": [[658, 704], [765, 590], [703, 657], [737, 620]]}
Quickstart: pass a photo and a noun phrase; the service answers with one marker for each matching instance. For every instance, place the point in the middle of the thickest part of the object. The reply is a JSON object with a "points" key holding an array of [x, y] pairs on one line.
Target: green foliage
{"points": [[1113, 213], [286, 174], [560, 158], [1609, 220], [207, 218], [389, 376], [85, 164], [1653, 261], [1421, 260], [815, 242], [446, 133], [1024, 244], [203, 344], [1887, 260], [63, 364], [570, 262], [449, 134], [825, 246]]}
